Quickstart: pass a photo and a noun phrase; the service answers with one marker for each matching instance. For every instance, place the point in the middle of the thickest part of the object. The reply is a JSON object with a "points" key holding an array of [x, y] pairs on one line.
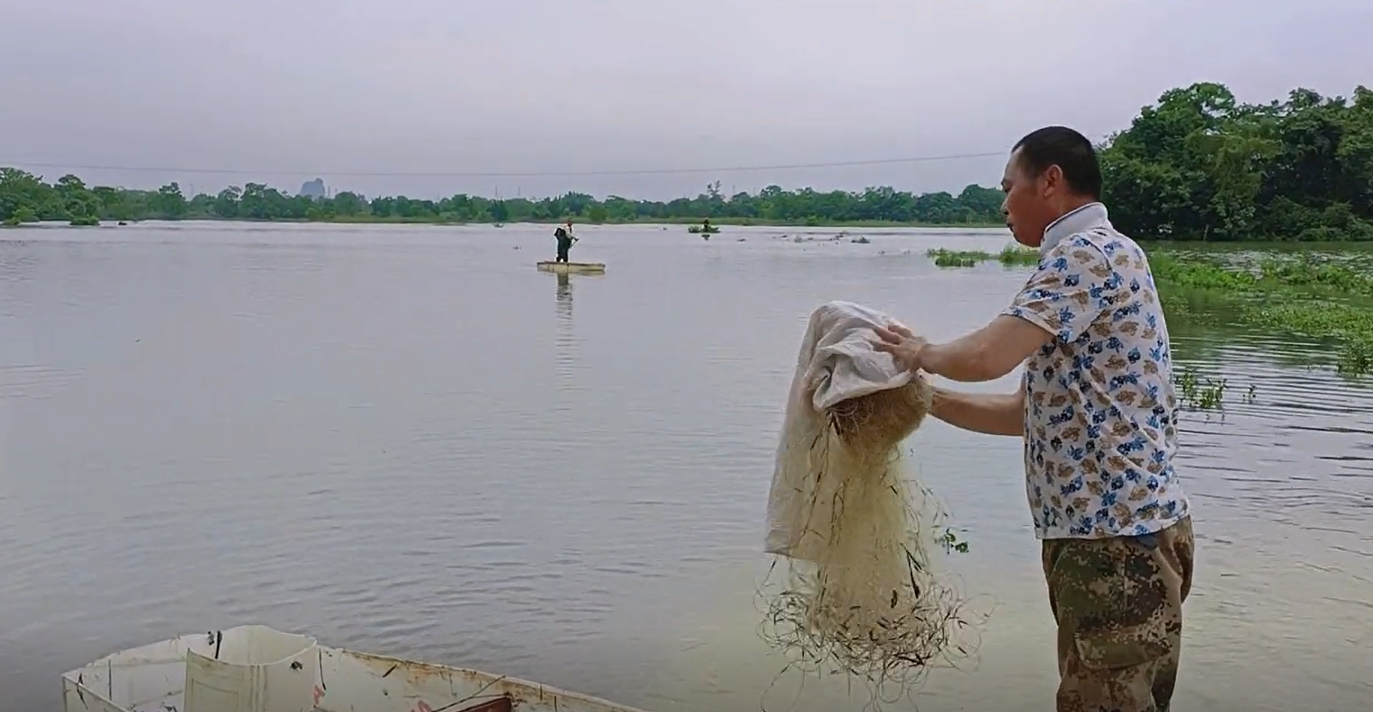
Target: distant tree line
{"points": [[1197, 165], [26, 198]]}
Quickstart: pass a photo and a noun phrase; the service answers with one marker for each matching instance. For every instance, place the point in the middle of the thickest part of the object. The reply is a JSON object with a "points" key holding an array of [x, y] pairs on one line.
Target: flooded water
{"points": [[409, 441]]}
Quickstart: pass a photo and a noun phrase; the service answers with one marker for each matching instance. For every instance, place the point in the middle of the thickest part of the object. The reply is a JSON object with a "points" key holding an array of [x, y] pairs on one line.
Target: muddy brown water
{"points": [[407, 440]]}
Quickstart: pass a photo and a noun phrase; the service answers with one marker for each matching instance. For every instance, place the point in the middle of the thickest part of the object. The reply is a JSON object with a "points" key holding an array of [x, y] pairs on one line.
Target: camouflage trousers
{"points": [[1118, 605]]}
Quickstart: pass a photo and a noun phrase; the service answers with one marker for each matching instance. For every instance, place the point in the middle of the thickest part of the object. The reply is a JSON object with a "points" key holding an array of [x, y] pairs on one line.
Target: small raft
{"points": [[572, 267], [257, 669]]}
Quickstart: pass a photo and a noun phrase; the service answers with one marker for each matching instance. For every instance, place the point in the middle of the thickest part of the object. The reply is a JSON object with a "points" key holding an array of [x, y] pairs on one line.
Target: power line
{"points": [[528, 174]]}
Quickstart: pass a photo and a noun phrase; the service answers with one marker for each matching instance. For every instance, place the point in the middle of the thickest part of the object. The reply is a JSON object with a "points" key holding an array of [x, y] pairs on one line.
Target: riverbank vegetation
{"points": [[1200, 166], [1196, 165], [1305, 294]]}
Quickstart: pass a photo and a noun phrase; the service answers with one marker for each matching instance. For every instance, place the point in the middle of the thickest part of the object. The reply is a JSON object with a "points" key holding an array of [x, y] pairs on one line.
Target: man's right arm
{"points": [[989, 413]]}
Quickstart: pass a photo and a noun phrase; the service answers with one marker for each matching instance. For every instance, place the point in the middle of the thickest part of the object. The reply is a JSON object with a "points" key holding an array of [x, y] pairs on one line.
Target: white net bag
{"points": [[858, 595]]}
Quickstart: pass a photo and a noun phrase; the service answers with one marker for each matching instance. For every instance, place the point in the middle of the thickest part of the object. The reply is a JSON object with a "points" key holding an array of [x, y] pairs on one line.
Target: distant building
{"points": [[314, 189]]}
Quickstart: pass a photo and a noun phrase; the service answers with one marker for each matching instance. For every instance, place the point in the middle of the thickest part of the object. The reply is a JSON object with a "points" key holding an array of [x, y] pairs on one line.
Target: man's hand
{"points": [[905, 348]]}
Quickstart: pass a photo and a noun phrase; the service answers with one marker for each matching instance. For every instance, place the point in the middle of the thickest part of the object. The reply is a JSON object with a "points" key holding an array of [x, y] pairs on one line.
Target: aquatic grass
{"points": [[1200, 392], [1348, 324], [1307, 273], [1175, 270], [1010, 255], [1016, 255], [1303, 295], [1315, 318], [958, 258], [1356, 357], [951, 542], [1311, 272]]}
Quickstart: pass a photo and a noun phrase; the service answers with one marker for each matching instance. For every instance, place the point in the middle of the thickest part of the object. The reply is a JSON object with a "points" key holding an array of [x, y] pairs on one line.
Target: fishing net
{"points": [[858, 595]]}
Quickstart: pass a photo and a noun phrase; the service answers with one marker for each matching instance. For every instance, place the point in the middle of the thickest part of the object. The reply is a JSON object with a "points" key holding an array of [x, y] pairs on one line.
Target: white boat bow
{"points": [[236, 671]]}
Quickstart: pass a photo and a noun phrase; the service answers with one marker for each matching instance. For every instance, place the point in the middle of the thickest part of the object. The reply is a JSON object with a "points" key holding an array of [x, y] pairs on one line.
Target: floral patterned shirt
{"points": [[1100, 411]]}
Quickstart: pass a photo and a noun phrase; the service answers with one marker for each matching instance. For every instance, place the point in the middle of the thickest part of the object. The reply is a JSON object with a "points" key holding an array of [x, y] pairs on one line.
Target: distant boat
{"points": [[703, 230], [572, 267], [258, 669]]}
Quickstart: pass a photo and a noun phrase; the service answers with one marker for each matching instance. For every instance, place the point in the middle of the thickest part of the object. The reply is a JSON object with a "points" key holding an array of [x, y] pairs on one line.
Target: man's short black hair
{"points": [[1067, 149]]}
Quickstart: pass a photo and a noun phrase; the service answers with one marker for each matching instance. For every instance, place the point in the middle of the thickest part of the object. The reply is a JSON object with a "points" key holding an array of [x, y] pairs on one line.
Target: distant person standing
{"points": [[1096, 410], [565, 240]]}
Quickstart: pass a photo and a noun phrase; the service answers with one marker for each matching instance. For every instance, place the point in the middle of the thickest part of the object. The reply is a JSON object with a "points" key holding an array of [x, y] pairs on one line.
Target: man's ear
{"points": [[1052, 180]]}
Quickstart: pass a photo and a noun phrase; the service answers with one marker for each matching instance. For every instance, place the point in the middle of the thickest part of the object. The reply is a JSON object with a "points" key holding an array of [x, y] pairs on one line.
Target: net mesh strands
{"points": [[857, 594]]}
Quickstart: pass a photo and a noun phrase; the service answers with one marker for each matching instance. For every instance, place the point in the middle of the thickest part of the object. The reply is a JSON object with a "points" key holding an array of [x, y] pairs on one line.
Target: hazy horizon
{"points": [[369, 96]]}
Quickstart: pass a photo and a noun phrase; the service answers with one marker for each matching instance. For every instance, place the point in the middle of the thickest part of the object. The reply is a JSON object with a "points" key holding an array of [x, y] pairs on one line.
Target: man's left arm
{"points": [[1073, 287]]}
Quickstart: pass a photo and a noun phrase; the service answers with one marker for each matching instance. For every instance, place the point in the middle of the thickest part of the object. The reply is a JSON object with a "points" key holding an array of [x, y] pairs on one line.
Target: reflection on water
{"points": [[564, 307], [567, 348], [381, 436], [564, 295]]}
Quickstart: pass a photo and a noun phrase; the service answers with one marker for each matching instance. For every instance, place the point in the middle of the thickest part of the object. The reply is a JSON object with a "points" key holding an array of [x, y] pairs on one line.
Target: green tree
{"points": [[1198, 165], [169, 203]]}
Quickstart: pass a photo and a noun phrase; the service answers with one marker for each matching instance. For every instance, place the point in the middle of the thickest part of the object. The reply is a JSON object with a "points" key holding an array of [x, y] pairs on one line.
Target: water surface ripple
{"points": [[407, 440]]}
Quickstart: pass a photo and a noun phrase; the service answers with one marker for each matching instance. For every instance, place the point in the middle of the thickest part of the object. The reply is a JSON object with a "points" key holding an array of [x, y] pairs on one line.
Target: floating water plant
{"points": [[1200, 392], [1015, 255], [957, 258], [1011, 256]]}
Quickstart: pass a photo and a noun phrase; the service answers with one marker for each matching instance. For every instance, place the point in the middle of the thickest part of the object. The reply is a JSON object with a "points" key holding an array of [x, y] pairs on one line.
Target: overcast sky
{"points": [[280, 91]]}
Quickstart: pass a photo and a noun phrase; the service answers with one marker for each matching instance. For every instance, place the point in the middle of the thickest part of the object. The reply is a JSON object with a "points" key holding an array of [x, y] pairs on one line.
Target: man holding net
{"points": [[1096, 409]]}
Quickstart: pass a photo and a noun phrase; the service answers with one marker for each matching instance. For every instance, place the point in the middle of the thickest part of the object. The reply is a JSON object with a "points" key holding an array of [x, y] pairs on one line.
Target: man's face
{"points": [[1027, 206]]}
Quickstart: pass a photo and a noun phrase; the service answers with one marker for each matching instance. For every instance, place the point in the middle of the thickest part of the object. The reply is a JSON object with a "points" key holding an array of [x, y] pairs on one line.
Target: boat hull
{"points": [[572, 267], [151, 678]]}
